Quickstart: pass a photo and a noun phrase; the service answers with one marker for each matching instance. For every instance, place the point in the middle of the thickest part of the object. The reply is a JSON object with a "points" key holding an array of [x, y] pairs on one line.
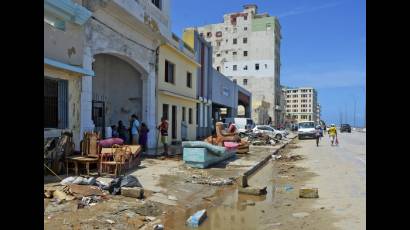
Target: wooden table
{"points": [[81, 160]]}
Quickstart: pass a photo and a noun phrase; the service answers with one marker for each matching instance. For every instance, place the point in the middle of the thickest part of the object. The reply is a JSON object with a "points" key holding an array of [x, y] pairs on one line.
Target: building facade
{"points": [[203, 55], [121, 45], [177, 90], [63, 67], [246, 47], [318, 113], [301, 104]]}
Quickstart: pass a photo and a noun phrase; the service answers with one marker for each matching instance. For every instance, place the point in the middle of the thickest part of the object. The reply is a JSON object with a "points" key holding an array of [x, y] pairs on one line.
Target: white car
{"points": [[278, 134], [306, 129]]}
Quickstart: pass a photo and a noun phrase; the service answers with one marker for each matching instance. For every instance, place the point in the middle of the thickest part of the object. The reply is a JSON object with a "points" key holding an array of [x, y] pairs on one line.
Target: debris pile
{"points": [[260, 139], [209, 180]]}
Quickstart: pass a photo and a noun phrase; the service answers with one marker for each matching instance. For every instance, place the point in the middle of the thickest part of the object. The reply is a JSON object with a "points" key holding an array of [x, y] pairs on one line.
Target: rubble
{"points": [[195, 220], [308, 193], [253, 190], [209, 180], [134, 192]]}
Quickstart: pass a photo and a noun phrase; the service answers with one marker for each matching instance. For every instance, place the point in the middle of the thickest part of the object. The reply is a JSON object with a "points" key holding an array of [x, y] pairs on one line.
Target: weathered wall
{"points": [[64, 46], [224, 91], [74, 89], [118, 84]]}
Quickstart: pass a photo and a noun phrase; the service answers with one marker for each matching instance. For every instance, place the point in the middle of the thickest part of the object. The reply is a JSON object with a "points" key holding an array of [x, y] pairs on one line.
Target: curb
{"points": [[262, 163]]}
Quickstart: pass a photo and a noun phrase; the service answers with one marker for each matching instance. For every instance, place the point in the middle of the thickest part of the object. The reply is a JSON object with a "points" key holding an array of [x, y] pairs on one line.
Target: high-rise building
{"points": [[318, 113], [301, 104], [246, 47]]}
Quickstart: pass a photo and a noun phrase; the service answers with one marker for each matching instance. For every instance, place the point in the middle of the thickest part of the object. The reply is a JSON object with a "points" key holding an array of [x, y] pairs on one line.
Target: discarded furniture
{"points": [[116, 158], [133, 158], [224, 136], [78, 160], [204, 154], [89, 144], [56, 149]]}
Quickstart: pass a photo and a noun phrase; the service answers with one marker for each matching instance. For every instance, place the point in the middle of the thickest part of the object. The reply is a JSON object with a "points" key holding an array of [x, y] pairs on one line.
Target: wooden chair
{"points": [[117, 157]]}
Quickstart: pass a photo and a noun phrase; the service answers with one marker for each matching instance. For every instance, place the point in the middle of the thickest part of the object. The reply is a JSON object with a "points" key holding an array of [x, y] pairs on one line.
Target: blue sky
{"points": [[323, 46]]}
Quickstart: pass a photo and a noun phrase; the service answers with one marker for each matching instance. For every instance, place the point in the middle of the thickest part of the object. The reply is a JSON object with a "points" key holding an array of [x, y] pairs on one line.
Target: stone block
{"points": [[308, 193], [134, 192], [253, 190]]}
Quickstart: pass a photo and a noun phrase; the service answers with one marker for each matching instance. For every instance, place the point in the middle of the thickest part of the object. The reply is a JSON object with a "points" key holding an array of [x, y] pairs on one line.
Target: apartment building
{"points": [[301, 104], [319, 113], [246, 47]]}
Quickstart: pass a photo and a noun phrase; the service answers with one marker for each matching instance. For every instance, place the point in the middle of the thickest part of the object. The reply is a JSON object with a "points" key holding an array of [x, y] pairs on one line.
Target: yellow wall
{"points": [[182, 66], [179, 103], [188, 37], [186, 96]]}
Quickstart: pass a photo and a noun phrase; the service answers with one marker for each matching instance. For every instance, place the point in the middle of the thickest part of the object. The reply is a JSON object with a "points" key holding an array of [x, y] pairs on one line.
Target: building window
{"points": [[245, 81], [183, 114], [189, 80], [226, 40], [209, 34], [218, 54], [169, 72], [218, 43], [201, 34], [245, 40], [310, 95], [226, 52], [226, 28], [245, 67], [257, 66], [235, 41], [245, 53], [245, 28], [157, 3], [218, 34], [288, 96], [55, 103], [218, 68], [190, 116], [287, 106], [165, 108], [234, 67], [234, 53], [245, 17], [235, 30]]}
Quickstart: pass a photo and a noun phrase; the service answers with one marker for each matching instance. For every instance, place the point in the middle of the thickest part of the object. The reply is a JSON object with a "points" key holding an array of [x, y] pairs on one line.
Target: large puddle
{"points": [[228, 209]]}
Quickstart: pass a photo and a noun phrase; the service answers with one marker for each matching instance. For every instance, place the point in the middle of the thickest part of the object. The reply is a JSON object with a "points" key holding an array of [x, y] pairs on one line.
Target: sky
{"points": [[323, 46]]}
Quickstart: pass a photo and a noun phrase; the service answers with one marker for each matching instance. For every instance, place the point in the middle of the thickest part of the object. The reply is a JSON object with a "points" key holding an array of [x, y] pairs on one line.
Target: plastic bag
{"points": [[126, 181]]}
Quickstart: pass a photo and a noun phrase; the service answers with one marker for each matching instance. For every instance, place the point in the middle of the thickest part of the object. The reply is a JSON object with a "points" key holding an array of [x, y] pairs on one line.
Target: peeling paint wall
{"points": [[74, 94]]}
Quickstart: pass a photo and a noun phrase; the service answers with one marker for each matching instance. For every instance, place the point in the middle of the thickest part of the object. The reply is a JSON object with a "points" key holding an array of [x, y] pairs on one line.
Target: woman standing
{"points": [[143, 137]]}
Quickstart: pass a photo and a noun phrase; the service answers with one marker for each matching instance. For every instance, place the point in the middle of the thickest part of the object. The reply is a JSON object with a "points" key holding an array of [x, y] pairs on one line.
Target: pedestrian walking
{"points": [[332, 134], [135, 125], [318, 134], [143, 132], [163, 129]]}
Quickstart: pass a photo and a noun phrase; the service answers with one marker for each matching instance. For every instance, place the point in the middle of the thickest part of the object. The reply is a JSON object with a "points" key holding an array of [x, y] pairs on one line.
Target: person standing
{"points": [[122, 132], [332, 133], [135, 125], [143, 136], [163, 129], [318, 134]]}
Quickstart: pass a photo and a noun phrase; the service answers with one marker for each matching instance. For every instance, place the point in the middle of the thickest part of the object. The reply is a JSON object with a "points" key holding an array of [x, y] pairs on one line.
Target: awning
{"points": [[68, 67]]}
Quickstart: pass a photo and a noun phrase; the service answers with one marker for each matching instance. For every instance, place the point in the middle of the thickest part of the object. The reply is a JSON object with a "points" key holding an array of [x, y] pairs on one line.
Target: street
{"points": [[337, 171]]}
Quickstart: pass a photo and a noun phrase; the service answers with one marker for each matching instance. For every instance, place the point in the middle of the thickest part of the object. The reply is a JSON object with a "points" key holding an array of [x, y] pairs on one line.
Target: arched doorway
{"points": [[117, 91]]}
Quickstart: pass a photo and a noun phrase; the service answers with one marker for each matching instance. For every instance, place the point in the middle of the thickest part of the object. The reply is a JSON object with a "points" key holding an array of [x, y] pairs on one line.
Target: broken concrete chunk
{"points": [[195, 220], [253, 190], [308, 193], [134, 192]]}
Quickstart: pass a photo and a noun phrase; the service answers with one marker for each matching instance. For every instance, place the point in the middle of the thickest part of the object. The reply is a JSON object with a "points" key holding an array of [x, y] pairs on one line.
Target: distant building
{"points": [[318, 113], [246, 47], [301, 104]]}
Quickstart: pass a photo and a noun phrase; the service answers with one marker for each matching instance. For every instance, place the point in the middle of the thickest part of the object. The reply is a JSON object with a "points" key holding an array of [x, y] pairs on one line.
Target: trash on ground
{"points": [[309, 193], [195, 179], [170, 197], [126, 181], [300, 214], [78, 180], [288, 188], [80, 191], [110, 221], [251, 190], [195, 220], [159, 227]]}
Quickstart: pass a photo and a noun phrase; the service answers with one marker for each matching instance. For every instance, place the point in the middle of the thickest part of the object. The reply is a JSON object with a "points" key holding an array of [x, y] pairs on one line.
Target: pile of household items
{"points": [[110, 156], [259, 138], [202, 154], [90, 191]]}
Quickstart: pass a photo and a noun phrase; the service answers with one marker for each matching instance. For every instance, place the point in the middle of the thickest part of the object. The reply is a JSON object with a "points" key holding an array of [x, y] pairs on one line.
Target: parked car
{"points": [[278, 134], [345, 128], [306, 129], [242, 124]]}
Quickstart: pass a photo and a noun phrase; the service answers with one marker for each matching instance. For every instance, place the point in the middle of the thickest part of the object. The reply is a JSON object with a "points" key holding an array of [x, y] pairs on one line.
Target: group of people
{"points": [[332, 134], [136, 134]]}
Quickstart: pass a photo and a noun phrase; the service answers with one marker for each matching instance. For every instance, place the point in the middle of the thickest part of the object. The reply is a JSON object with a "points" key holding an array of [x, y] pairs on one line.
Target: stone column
{"points": [[86, 123], [149, 107]]}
